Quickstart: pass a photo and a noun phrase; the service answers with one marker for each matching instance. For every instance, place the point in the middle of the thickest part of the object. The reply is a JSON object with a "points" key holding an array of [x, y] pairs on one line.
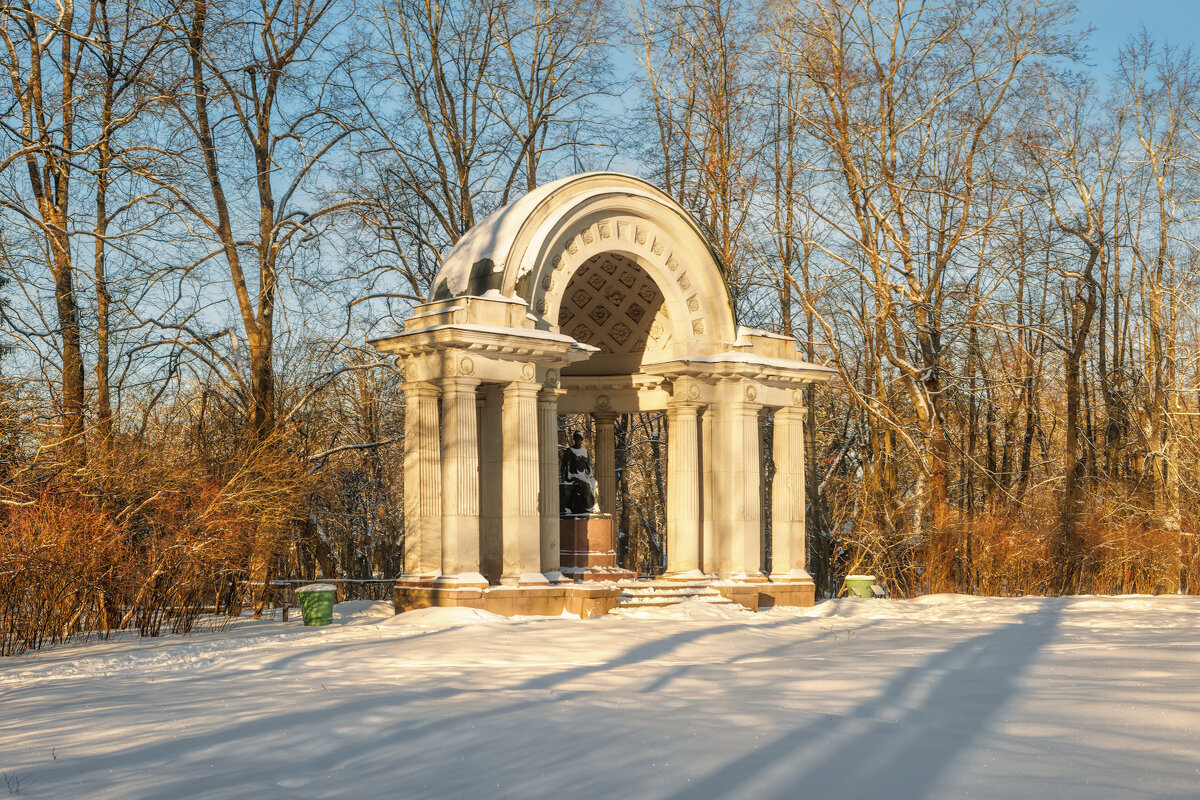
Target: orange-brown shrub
{"points": [[138, 543], [59, 572], [1003, 555], [1134, 555], [1114, 548]]}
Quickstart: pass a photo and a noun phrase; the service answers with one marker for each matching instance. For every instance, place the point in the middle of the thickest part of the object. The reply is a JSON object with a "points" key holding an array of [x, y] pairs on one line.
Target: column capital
{"points": [[740, 394], [796, 413], [688, 388], [459, 383], [421, 388], [549, 396], [523, 388]]}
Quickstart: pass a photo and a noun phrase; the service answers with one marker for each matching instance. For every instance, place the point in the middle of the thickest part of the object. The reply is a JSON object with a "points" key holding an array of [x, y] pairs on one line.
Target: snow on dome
{"points": [[317, 587], [484, 259], [476, 263]]}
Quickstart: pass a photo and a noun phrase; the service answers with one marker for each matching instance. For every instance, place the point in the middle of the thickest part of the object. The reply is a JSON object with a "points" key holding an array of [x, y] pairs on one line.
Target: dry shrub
{"points": [[1190, 556], [1115, 548], [1133, 555], [59, 572], [1004, 556], [872, 537], [140, 541]]}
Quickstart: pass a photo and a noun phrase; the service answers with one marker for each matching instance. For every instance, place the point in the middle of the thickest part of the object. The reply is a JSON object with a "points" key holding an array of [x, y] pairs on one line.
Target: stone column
{"points": [[521, 525], [752, 496], [491, 471], [787, 500], [708, 546], [683, 489], [606, 461], [460, 483], [738, 482], [422, 481], [547, 409]]}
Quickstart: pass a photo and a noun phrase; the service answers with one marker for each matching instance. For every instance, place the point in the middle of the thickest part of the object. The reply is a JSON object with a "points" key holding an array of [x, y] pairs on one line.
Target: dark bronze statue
{"points": [[577, 487]]}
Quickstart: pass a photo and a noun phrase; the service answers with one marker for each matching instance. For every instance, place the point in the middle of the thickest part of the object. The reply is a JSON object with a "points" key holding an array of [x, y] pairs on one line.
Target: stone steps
{"points": [[657, 593]]}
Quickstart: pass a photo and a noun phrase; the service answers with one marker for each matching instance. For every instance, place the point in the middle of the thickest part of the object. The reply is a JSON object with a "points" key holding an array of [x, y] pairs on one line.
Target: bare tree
{"points": [[471, 103], [913, 106], [261, 108], [43, 50], [699, 93]]}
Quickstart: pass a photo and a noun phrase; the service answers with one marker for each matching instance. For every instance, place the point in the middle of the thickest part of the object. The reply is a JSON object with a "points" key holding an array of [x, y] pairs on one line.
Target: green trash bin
{"points": [[316, 603], [859, 585]]}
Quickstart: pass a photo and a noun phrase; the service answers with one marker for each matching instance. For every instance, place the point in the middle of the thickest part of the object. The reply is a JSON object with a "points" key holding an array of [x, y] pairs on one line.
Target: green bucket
{"points": [[316, 603], [859, 585]]}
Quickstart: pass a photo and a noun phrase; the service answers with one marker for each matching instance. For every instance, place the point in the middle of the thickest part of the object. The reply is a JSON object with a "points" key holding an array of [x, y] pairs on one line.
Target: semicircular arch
{"points": [[560, 226], [693, 291]]}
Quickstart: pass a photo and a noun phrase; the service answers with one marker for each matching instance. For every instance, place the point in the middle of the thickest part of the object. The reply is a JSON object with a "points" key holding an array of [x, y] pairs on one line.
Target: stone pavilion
{"points": [[594, 294]]}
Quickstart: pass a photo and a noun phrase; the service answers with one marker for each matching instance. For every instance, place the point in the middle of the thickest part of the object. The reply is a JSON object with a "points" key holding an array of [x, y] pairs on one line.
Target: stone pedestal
{"points": [[756, 595], [586, 549], [581, 599]]}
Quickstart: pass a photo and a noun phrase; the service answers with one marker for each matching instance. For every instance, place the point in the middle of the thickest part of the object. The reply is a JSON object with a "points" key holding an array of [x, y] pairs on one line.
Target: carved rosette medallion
{"points": [[751, 393], [528, 372], [466, 366]]}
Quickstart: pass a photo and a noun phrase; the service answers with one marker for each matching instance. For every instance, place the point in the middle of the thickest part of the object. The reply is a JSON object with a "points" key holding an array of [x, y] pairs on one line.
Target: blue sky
{"points": [[1175, 21]]}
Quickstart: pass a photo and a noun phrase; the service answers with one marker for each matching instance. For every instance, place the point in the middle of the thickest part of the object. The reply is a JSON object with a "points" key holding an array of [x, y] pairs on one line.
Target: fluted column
{"points": [[683, 488], [422, 481], [708, 546], [752, 497], [606, 461], [737, 481], [491, 471], [787, 499], [547, 409], [521, 523], [460, 483]]}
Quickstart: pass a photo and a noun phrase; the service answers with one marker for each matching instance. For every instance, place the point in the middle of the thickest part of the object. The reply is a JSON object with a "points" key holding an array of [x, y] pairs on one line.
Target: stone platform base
{"points": [[582, 599], [768, 595]]}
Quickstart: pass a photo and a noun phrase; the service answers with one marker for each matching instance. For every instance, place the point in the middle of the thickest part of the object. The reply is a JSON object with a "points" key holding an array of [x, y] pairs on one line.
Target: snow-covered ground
{"points": [[945, 696]]}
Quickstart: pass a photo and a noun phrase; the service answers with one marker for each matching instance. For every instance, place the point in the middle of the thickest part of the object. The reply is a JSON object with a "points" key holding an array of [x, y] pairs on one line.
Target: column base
{"points": [[745, 577], [463, 580], [545, 600], [686, 575], [790, 575], [418, 579]]}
